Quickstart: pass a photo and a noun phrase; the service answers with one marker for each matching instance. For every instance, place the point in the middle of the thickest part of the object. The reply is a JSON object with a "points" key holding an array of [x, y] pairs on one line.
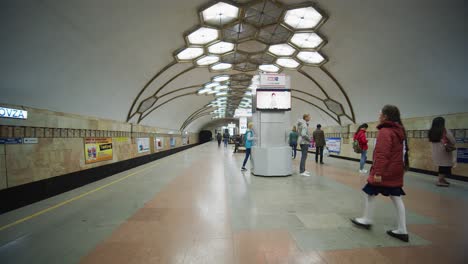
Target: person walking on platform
{"points": [[219, 138], [360, 137], [293, 141], [249, 138], [226, 138], [304, 141], [319, 139], [443, 149], [386, 175]]}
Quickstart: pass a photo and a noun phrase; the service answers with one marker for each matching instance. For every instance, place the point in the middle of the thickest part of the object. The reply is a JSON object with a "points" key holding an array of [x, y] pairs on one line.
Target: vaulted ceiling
{"points": [[158, 63]]}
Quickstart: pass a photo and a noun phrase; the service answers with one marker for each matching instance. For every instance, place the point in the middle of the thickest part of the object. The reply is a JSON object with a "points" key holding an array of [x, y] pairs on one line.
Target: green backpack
{"points": [[356, 147]]}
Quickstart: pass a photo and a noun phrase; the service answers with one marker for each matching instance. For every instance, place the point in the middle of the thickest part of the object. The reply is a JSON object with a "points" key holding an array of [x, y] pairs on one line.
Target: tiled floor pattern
{"points": [[216, 214], [200, 208]]}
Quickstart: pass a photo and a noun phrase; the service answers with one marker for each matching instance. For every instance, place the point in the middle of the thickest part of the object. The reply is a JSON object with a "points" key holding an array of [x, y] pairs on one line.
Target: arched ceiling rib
{"points": [[245, 38], [94, 57]]}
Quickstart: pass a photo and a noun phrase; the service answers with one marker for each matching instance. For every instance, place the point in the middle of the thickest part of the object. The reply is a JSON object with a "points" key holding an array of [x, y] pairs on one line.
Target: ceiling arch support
{"points": [[143, 116], [314, 81], [337, 119], [322, 67], [130, 115], [193, 119], [196, 112]]}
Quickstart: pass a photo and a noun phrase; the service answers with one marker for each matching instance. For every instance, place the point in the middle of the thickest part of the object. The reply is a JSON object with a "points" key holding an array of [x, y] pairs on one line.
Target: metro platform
{"points": [[196, 206]]}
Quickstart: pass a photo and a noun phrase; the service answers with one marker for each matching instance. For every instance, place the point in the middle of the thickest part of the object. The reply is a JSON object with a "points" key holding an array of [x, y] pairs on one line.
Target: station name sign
{"points": [[13, 113]]}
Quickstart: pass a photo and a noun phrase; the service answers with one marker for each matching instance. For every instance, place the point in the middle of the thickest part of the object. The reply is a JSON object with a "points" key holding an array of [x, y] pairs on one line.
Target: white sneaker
{"points": [[306, 174], [362, 171]]}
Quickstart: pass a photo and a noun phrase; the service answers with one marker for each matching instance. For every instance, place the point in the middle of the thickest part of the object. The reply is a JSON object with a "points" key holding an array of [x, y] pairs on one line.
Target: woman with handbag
{"points": [[443, 148], [386, 175]]}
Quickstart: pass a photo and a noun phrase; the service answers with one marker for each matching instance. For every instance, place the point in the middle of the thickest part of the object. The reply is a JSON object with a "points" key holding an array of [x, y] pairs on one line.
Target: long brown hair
{"points": [[393, 114]]}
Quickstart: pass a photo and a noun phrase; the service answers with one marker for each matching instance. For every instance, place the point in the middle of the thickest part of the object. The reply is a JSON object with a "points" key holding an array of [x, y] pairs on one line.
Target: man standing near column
{"points": [[319, 139], [304, 141]]}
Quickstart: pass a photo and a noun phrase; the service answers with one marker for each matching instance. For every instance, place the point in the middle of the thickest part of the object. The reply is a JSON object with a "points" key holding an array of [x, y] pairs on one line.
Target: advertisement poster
{"points": [[97, 149], [143, 144], [462, 155], [334, 145], [158, 143], [173, 142]]}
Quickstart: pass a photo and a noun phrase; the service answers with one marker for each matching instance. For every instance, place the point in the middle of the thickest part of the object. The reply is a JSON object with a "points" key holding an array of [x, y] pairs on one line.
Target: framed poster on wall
{"points": [[158, 143], [143, 145], [173, 142], [97, 149], [333, 144]]}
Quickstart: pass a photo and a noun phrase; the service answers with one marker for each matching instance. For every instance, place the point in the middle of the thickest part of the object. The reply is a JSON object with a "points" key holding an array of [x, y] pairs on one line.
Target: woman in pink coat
{"points": [[445, 160]]}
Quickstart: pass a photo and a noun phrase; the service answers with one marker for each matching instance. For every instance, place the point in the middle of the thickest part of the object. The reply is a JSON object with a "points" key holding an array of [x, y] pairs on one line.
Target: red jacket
{"points": [[360, 136], [388, 156]]}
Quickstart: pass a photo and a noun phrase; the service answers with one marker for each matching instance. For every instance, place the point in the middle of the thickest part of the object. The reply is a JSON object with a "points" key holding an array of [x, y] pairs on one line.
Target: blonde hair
{"points": [[250, 125], [305, 115]]}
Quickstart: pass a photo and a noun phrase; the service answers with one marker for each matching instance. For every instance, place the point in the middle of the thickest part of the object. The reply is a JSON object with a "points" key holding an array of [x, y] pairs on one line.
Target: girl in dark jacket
{"points": [[386, 175]]}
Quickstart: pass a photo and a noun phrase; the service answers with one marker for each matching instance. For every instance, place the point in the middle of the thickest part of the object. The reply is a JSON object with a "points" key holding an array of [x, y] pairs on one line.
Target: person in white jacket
{"points": [[304, 141]]}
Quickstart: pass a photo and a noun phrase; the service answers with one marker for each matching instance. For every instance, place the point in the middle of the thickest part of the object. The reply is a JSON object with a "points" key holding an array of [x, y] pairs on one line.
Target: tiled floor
{"points": [[198, 207]]}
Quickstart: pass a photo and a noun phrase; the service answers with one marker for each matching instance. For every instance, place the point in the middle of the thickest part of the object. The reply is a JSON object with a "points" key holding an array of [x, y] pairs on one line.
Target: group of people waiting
{"points": [[390, 160]]}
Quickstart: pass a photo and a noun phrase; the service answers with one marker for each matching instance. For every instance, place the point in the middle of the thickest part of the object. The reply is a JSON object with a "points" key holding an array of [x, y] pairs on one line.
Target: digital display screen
{"points": [[273, 99]]}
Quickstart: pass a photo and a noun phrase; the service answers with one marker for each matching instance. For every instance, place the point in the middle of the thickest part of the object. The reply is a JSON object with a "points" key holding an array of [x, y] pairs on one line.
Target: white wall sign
{"points": [[30, 140], [242, 125], [243, 112], [13, 113], [272, 80]]}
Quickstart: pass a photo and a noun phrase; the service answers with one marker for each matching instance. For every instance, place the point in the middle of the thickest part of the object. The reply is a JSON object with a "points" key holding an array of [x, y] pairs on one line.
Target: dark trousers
{"points": [[219, 142], [319, 151], [247, 155], [304, 149], [294, 149]]}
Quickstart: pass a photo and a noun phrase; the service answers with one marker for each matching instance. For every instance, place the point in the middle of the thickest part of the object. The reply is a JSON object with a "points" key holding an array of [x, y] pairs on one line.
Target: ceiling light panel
{"points": [[282, 50], [287, 63], [189, 53], [269, 68], [207, 60], [307, 40], [303, 18], [221, 47], [221, 78], [221, 66], [203, 36], [220, 14], [311, 57]]}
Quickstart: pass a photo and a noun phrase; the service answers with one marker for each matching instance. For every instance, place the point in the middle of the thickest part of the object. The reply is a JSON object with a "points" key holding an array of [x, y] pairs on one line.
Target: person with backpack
{"points": [[386, 175], [443, 148], [319, 139], [293, 141], [249, 138], [360, 145]]}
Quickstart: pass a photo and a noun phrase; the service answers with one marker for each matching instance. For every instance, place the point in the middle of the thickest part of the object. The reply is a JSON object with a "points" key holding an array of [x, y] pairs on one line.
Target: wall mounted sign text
{"points": [[13, 113]]}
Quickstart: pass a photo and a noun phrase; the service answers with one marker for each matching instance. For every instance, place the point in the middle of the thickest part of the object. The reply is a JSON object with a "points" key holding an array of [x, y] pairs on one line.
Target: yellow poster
{"points": [[97, 149]]}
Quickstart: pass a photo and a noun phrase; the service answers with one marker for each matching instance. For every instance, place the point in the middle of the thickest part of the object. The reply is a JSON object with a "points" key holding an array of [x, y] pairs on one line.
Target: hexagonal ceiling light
{"points": [[288, 63], [202, 36], [221, 66], [221, 47], [207, 60], [311, 57], [282, 50], [220, 14], [303, 18], [307, 40], [262, 13], [188, 54], [269, 68]]}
